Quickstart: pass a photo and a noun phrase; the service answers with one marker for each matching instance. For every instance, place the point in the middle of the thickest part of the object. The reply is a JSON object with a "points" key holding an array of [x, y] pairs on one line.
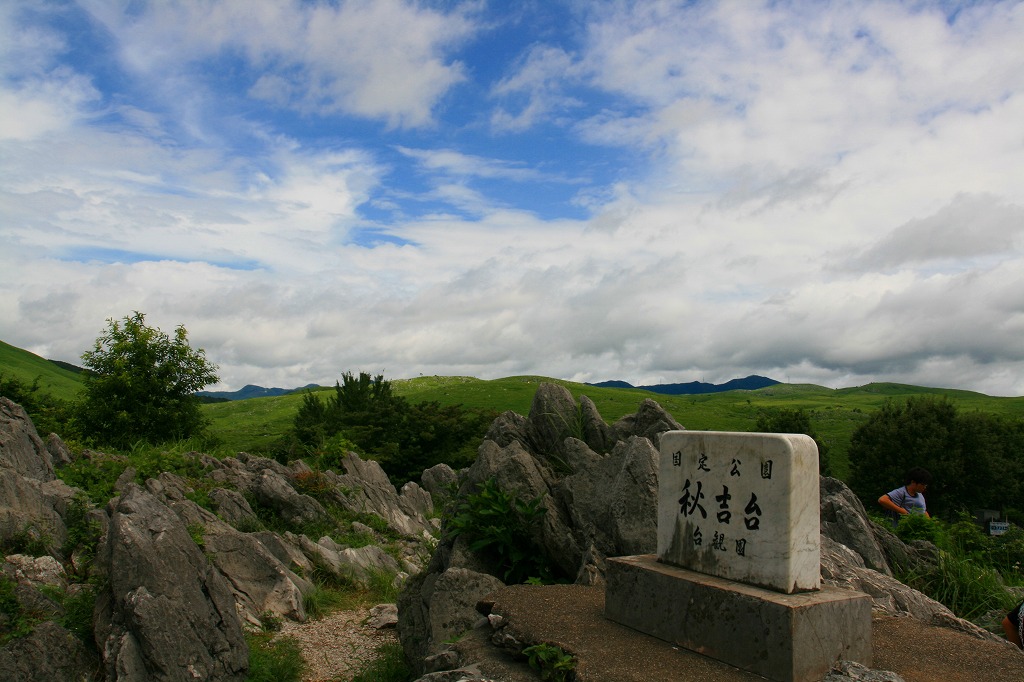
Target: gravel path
{"points": [[337, 646]]}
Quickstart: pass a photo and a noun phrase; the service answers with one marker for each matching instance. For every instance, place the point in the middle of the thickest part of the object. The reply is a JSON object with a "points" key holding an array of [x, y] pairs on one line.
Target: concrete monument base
{"points": [[784, 637]]}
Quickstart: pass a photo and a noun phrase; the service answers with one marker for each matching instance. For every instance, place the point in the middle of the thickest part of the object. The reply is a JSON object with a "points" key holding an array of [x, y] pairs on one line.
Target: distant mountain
{"points": [[250, 391], [751, 383]]}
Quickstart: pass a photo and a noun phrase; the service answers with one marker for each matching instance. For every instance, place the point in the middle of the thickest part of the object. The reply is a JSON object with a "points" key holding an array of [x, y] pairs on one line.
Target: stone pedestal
{"points": [[784, 637]]}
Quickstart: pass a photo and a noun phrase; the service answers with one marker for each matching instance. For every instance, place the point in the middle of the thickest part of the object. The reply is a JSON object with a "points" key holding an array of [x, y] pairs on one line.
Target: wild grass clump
{"points": [[970, 571], [388, 666], [274, 659]]}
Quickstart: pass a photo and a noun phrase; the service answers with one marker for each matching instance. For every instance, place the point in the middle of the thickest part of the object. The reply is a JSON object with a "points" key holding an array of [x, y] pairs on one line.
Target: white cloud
{"points": [[826, 192], [386, 59]]}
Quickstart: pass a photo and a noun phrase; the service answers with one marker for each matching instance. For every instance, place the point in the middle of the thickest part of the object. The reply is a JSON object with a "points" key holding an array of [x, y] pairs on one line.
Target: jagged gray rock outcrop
{"points": [[180, 580], [600, 500], [32, 499], [597, 485], [165, 612]]}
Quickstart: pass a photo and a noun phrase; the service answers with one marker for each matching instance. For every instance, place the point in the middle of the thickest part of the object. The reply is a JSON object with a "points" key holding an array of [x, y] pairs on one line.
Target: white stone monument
{"points": [[742, 506], [737, 573]]}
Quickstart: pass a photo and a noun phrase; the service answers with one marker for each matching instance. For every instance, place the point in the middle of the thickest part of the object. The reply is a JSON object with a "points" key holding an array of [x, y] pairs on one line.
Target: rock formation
{"points": [[180, 582], [598, 485]]}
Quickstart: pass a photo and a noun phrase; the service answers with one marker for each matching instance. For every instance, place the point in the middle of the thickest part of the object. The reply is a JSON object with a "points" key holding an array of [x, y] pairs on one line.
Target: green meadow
{"points": [[254, 425]]}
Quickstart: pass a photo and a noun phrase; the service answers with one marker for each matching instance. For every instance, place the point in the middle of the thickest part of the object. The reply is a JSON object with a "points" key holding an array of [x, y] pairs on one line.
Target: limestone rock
{"points": [[60, 454], [439, 479], [21, 449], [364, 487], [434, 608], [844, 519], [272, 489], [649, 421], [383, 616], [165, 612], [47, 654]]}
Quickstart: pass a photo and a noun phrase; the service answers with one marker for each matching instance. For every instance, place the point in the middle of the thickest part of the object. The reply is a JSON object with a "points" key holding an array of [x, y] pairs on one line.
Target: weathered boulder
{"points": [[21, 449], [355, 564], [165, 612], [274, 490], [844, 519], [47, 654], [232, 506], [364, 487], [434, 608], [60, 453], [29, 510], [439, 480], [649, 421], [613, 503]]}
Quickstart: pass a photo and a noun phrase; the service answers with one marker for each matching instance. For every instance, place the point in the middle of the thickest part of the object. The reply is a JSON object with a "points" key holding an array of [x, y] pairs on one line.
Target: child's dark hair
{"points": [[917, 475]]}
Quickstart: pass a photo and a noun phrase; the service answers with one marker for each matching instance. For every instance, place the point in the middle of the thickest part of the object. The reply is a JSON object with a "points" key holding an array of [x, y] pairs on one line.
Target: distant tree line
{"points": [[365, 415], [976, 459]]}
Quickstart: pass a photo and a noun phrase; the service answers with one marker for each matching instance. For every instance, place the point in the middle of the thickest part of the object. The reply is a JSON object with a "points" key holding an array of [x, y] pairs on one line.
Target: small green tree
{"points": [[141, 384]]}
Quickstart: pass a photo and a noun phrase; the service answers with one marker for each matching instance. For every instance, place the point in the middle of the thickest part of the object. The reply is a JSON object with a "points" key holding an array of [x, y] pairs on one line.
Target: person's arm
{"points": [[887, 502]]}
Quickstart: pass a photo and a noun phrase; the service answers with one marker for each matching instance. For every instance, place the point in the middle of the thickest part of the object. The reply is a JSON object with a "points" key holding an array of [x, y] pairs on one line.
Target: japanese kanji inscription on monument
{"points": [[741, 506]]}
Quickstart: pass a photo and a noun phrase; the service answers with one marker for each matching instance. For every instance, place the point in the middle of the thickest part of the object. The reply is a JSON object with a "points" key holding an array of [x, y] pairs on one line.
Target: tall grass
{"points": [[389, 666]]}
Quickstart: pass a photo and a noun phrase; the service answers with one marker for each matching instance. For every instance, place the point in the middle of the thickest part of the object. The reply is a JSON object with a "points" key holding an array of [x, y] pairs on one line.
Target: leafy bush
{"points": [[920, 527], [15, 622], [49, 414], [552, 662], [366, 416], [141, 384], [972, 456], [502, 527]]}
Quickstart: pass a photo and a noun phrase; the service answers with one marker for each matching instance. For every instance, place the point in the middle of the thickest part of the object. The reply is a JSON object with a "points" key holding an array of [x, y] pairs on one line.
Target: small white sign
{"points": [[998, 527]]}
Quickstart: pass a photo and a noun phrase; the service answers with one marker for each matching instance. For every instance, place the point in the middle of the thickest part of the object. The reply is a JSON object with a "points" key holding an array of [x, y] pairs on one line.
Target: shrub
{"points": [[552, 662], [501, 526]]}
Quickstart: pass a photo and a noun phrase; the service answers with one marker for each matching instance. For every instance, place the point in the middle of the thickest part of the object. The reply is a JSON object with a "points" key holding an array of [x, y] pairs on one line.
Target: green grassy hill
{"points": [[252, 425], [53, 379]]}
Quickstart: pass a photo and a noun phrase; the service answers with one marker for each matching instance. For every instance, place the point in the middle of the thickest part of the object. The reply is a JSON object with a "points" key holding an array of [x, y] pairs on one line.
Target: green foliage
{"points": [[28, 540], [274, 659], [388, 666], [968, 588], [141, 384], [920, 527], [366, 416], [973, 457], [197, 532], [323, 599], [97, 473], [501, 528], [552, 662], [84, 532], [786, 420], [15, 622]]}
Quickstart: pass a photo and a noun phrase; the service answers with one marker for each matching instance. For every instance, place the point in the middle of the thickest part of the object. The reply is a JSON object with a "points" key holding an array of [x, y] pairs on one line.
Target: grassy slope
{"points": [[252, 424], [53, 379]]}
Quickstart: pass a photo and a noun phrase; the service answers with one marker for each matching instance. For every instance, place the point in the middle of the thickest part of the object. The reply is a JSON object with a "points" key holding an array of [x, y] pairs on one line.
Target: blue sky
{"points": [[660, 191]]}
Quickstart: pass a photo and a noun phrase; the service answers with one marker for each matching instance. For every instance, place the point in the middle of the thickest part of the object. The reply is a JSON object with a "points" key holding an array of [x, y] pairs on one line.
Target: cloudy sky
{"points": [[651, 191]]}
